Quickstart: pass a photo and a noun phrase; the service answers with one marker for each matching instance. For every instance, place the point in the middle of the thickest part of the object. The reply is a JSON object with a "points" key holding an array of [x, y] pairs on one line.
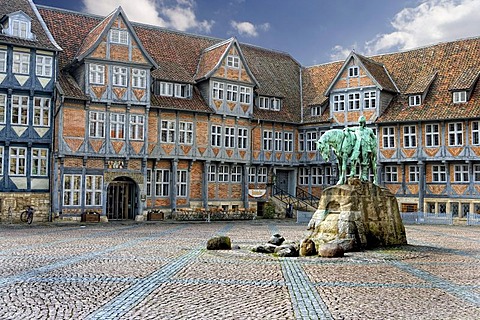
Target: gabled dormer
{"points": [[418, 89], [464, 85], [17, 24], [112, 64], [362, 86], [225, 79]]}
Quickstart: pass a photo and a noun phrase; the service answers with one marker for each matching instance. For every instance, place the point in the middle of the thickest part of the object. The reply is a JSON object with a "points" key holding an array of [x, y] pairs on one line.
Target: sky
{"points": [[311, 31]]}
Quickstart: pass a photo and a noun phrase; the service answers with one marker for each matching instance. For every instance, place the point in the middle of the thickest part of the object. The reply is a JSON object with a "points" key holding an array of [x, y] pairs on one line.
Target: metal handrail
{"points": [[307, 197], [289, 199]]}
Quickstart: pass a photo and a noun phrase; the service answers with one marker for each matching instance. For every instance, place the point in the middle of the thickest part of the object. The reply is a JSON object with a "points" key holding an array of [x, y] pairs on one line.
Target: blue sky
{"points": [[312, 31]]}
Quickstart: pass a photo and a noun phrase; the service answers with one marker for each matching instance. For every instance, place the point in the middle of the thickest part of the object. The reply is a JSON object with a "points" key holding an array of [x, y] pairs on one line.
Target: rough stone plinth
{"points": [[358, 215], [331, 250], [219, 243]]}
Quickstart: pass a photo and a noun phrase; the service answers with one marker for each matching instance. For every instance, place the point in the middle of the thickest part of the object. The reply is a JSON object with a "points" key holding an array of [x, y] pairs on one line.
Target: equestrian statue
{"points": [[354, 146]]}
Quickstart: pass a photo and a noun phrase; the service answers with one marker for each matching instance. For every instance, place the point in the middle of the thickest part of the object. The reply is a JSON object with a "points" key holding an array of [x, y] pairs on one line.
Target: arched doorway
{"points": [[122, 199]]}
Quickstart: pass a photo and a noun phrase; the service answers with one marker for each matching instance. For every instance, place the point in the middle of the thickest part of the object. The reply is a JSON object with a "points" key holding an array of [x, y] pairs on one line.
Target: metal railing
{"points": [[307, 197], [290, 200], [426, 218], [473, 219]]}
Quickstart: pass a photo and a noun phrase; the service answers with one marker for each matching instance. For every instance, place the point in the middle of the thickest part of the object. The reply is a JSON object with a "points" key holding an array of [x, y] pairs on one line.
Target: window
{"points": [[461, 173], [301, 142], [311, 141], [3, 61], [223, 172], [414, 100], [328, 175], [120, 76], [303, 176], [339, 102], [43, 66], [166, 89], [317, 176], [409, 137], [72, 188], [167, 132], [233, 61], [354, 101], [414, 173], [278, 141], [136, 127], [439, 173], [455, 134], [1, 160], [242, 138], [97, 74], [182, 90], [21, 63], [459, 96], [117, 126], [148, 181], [262, 175], [391, 174], [315, 111], [162, 182], [119, 36], [218, 89], [41, 112], [245, 95], [267, 140], [139, 78], [97, 124], [252, 174], [475, 131], [288, 141], [3, 104], [185, 132], [18, 158], [93, 190], [236, 174], [19, 110], [476, 172], [181, 183], [232, 91], [389, 137], [229, 137], [275, 104], [264, 103], [353, 71], [370, 99], [39, 162], [432, 135], [20, 28], [216, 136], [212, 173]]}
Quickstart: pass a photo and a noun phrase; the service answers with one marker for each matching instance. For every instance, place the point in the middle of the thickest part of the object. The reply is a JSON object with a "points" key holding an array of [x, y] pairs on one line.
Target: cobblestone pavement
{"points": [[162, 271]]}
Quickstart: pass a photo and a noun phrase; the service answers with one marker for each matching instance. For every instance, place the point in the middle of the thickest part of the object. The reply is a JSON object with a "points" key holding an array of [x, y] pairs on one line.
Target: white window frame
{"points": [[233, 61], [461, 173], [315, 111], [162, 183], [475, 133], [182, 185], [236, 174], [182, 90], [41, 112], [167, 131], [414, 173], [218, 90], [20, 28], [391, 174], [278, 141], [17, 161], [275, 104], [136, 127], [301, 142], [148, 183], [354, 101], [339, 102], [455, 134], [39, 164], [388, 137], [97, 73], [353, 71], [288, 141], [303, 176], [119, 78], [97, 124], [216, 136], [328, 175], [93, 190], [44, 66], [252, 174], [212, 173], [72, 190], [459, 96], [476, 172], [117, 125], [1, 159], [245, 95], [119, 36], [264, 103], [3, 61], [19, 110], [232, 92], [185, 132], [267, 140], [369, 99], [410, 136], [439, 173], [432, 135], [139, 78], [3, 108], [262, 175], [310, 141], [242, 141], [166, 89], [223, 173], [316, 176], [414, 100], [229, 137], [21, 63]]}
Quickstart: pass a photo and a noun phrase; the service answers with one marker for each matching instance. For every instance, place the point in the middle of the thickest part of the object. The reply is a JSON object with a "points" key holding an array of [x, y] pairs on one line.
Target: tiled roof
{"points": [[420, 84], [43, 37], [467, 79], [93, 36], [378, 72], [210, 58], [70, 87], [195, 104]]}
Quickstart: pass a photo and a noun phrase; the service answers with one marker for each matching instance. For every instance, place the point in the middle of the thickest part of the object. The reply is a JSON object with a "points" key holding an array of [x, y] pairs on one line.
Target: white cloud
{"points": [[249, 29], [339, 53], [179, 14]]}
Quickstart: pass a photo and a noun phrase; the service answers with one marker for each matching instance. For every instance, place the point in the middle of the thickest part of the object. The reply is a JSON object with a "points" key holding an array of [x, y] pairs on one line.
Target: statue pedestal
{"points": [[357, 215]]}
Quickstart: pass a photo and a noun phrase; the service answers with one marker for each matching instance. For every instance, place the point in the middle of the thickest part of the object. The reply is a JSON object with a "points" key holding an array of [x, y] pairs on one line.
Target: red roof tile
{"points": [[209, 59]]}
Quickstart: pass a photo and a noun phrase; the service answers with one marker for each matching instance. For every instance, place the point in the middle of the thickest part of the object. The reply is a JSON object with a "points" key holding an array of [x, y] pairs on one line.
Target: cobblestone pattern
{"points": [[162, 271]]}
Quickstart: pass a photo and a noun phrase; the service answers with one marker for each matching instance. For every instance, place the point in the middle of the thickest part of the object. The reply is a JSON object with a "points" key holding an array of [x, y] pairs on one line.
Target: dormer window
{"points": [[316, 111], [414, 100], [18, 25], [169, 89], [353, 71], [183, 90], [119, 36], [233, 61], [269, 103], [459, 96]]}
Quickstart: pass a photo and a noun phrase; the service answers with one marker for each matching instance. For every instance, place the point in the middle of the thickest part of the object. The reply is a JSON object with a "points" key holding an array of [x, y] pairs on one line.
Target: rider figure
{"points": [[363, 146]]}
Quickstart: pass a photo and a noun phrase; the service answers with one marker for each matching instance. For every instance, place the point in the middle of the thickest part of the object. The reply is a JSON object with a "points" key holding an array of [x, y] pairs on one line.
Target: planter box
{"points": [[90, 217], [155, 216]]}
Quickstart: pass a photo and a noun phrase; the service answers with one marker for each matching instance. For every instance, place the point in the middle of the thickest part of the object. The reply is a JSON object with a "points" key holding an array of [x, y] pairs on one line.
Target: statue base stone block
{"points": [[357, 215]]}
